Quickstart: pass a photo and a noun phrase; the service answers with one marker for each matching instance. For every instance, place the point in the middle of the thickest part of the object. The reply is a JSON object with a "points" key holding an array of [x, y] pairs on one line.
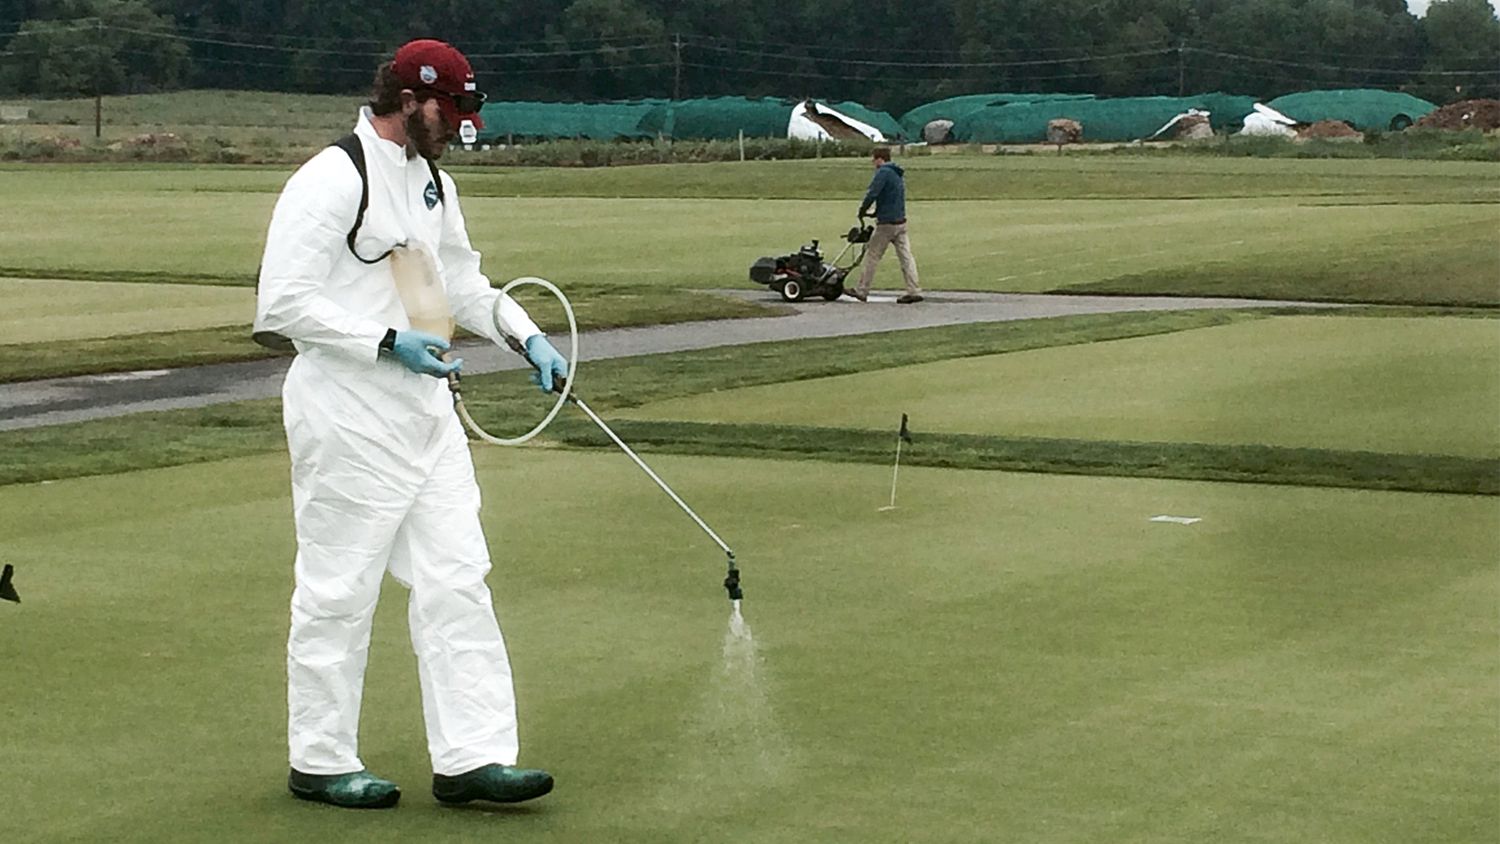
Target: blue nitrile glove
{"points": [[414, 350], [549, 362]]}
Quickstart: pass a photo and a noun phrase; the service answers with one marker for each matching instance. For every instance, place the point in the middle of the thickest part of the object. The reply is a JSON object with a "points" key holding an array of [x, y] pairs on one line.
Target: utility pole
{"points": [[677, 66], [1180, 73], [98, 84]]}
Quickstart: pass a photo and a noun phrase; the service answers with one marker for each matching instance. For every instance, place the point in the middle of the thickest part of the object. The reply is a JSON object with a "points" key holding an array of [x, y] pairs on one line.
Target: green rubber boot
{"points": [[496, 783], [359, 790]]}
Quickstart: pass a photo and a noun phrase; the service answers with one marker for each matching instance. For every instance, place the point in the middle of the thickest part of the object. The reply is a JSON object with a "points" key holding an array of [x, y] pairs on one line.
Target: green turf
{"points": [[120, 326], [146, 440], [501, 402], [1259, 464], [262, 109], [1415, 386], [41, 311], [1444, 262], [1003, 657], [988, 224], [935, 177], [261, 122], [943, 177]]}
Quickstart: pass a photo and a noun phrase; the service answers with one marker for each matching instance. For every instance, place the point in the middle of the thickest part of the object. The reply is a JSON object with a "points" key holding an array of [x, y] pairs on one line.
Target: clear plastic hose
{"points": [[562, 397]]}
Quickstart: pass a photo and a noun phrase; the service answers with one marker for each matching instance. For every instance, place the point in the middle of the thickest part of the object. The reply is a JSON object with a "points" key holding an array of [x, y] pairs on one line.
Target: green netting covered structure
{"points": [[1365, 109], [504, 121], [1119, 119], [953, 108], [709, 118], [722, 118]]}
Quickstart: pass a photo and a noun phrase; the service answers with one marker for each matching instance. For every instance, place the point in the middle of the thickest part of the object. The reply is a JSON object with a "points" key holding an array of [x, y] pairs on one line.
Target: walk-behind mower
{"points": [[804, 272]]}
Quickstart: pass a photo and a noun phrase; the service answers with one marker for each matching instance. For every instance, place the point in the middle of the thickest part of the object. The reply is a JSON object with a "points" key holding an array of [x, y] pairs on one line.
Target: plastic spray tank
{"points": [[415, 274]]}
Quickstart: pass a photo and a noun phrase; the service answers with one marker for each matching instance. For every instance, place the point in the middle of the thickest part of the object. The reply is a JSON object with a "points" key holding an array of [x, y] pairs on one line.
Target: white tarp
{"points": [[1268, 121], [1192, 112], [803, 126]]}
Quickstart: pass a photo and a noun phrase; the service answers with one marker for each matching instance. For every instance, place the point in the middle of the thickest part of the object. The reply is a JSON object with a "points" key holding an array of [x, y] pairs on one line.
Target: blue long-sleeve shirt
{"points": [[887, 193]]}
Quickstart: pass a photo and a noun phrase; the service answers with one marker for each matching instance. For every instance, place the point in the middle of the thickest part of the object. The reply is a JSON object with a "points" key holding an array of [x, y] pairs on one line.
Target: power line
{"points": [[943, 65], [779, 47], [589, 51], [541, 71], [1323, 66], [790, 74]]}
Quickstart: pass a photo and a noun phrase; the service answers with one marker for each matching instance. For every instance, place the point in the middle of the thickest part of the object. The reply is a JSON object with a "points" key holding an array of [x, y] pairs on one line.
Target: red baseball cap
{"points": [[432, 65]]}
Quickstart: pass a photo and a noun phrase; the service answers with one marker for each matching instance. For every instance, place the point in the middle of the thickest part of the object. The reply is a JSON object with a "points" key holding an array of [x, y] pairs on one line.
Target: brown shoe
{"points": [[855, 294], [910, 298]]}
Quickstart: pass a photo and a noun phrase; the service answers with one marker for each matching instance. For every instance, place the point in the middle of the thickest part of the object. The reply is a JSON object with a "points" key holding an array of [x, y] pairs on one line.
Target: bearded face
{"points": [[427, 131]]}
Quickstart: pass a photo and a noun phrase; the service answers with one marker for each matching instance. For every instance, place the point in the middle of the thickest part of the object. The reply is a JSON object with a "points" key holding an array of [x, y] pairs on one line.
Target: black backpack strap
{"points": [[437, 179], [355, 150]]}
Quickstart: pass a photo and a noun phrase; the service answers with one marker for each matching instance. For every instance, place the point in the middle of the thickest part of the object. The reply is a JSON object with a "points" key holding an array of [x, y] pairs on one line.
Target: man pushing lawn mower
{"points": [[888, 194]]}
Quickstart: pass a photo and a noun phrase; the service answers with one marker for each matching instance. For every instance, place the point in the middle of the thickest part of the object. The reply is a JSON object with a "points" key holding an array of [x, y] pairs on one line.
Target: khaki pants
{"points": [[885, 235]]}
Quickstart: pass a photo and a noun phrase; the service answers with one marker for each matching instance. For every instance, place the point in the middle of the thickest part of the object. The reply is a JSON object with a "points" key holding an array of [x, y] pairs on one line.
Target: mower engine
{"points": [[805, 273]]}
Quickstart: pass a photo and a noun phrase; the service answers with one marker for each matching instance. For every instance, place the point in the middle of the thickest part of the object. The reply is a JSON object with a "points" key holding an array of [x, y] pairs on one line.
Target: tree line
{"points": [[890, 54]]}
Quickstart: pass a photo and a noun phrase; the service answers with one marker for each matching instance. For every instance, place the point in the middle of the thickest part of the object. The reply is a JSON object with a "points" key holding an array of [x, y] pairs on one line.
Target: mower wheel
{"points": [[833, 293], [791, 290]]}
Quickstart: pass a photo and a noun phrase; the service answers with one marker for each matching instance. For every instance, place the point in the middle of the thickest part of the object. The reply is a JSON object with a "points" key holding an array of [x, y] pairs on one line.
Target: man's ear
{"points": [[409, 102]]}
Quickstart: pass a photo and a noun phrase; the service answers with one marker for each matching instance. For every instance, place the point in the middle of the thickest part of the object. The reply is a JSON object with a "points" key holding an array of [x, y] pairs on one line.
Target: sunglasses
{"points": [[469, 102]]}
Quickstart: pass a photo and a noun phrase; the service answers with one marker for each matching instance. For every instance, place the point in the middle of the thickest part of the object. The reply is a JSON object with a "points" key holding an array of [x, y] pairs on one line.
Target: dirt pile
{"points": [[1193, 127], [1330, 130], [1064, 131], [1467, 114]]}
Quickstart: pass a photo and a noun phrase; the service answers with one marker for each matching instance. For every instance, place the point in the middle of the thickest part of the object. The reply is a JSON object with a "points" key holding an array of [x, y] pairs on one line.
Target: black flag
{"points": [[7, 591], [905, 434]]}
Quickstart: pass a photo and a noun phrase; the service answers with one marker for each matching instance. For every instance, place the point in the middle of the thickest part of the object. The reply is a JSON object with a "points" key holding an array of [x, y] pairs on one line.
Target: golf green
{"points": [[1396, 385], [1001, 657]]}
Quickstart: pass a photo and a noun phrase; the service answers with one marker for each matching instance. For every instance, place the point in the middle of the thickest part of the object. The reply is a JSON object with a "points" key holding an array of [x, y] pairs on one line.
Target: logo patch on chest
{"points": [[430, 196]]}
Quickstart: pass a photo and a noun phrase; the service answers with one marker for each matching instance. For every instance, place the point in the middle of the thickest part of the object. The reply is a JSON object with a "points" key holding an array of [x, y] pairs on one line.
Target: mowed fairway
{"points": [[1414, 386], [1401, 231], [1004, 657], [39, 311]]}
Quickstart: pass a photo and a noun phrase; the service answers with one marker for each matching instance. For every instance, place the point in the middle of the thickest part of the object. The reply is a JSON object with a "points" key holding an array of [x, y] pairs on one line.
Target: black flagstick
{"points": [[7, 591]]}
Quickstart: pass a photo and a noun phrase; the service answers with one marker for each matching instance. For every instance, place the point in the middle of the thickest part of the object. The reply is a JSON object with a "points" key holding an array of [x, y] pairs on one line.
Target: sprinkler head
{"points": [[732, 584]]}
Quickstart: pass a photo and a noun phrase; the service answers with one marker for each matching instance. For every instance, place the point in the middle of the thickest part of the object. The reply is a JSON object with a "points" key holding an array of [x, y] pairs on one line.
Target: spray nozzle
{"points": [[732, 581]]}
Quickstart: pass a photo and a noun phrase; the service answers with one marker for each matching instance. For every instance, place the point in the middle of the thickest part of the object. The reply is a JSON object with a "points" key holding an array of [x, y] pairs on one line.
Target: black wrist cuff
{"points": [[388, 342]]}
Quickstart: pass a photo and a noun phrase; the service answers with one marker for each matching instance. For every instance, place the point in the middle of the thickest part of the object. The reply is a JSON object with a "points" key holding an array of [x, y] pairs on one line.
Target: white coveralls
{"points": [[382, 478]]}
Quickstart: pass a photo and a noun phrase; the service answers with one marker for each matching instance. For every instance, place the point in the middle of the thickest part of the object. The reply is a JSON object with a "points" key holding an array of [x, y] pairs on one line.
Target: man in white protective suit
{"points": [[382, 478]]}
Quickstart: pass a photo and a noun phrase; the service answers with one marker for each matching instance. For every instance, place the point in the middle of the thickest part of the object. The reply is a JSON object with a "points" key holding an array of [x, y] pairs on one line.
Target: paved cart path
{"points": [[62, 400]]}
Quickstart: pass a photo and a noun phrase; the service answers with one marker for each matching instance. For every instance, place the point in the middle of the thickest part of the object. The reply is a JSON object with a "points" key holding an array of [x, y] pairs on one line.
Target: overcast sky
{"points": [[1419, 7]]}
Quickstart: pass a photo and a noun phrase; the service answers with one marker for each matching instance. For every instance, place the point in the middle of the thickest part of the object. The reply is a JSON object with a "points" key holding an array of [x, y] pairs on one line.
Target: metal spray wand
{"points": [[732, 578]]}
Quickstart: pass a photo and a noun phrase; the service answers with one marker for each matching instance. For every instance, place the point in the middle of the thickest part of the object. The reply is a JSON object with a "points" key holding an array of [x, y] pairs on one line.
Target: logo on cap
{"points": [[428, 74]]}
